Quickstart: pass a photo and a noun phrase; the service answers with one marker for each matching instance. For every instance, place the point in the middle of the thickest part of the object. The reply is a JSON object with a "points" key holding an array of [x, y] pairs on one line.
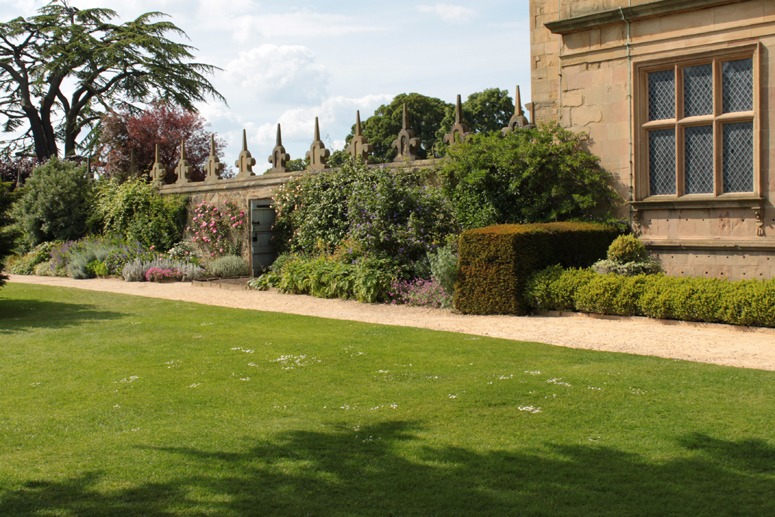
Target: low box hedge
{"points": [[708, 300], [495, 262]]}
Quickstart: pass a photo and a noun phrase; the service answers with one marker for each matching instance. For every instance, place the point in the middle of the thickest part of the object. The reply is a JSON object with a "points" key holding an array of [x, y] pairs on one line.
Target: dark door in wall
{"points": [[261, 247]]}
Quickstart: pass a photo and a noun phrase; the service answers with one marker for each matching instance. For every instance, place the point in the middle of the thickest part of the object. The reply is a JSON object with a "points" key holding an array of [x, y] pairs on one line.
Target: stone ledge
{"points": [[632, 14], [710, 244], [688, 203]]}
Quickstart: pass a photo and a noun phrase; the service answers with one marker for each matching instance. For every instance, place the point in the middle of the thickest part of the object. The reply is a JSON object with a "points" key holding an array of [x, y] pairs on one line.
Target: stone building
{"points": [[678, 98]]}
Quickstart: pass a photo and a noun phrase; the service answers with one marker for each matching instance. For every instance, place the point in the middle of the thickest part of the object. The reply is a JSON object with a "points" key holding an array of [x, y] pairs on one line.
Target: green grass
{"points": [[119, 405]]}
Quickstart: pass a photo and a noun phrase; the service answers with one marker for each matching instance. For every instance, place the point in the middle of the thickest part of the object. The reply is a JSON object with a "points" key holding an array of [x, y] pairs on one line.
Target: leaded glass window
{"points": [[661, 95], [737, 85], [698, 90], [698, 160], [662, 161], [703, 142], [738, 157]]}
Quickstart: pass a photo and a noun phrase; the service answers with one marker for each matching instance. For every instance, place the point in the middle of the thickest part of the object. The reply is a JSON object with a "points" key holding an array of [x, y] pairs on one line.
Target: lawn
{"points": [[120, 405]]}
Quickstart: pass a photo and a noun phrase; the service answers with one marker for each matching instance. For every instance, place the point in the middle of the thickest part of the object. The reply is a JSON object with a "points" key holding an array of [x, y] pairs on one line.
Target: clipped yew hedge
{"points": [[495, 262]]}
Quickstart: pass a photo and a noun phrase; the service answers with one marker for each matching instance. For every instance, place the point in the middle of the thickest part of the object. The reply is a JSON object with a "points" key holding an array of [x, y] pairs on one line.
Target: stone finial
{"points": [[279, 158], [406, 143], [214, 167], [317, 154], [245, 162], [518, 120], [158, 171], [183, 169], [359, 147], [459, 131]]}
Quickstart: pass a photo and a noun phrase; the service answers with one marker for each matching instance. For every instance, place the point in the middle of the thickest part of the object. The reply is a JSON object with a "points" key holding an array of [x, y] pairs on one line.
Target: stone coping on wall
{"points": [[274, 179], [264, 180], [632, 13]]}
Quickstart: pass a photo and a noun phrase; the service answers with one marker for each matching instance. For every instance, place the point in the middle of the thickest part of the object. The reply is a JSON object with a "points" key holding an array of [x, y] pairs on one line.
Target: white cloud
{"points": [[448, 12], [279, 74], [336, 116], [246, 21]]}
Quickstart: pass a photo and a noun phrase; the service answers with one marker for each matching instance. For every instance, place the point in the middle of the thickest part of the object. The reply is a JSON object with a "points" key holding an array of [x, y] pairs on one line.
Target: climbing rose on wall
{"points": [[218, 231]]}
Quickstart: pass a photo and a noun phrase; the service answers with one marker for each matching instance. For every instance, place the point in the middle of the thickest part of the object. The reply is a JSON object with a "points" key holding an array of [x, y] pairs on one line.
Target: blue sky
{"points": [[293, 60]]}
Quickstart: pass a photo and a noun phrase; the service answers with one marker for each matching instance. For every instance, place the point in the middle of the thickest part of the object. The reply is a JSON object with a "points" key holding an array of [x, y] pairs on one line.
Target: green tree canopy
{"points": [[63, 67], [382, 128]]}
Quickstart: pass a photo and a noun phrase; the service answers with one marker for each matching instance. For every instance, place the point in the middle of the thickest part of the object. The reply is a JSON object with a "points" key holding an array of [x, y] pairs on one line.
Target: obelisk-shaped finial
{"points": [[459, 131], [245, 162], [279, 158], [158, 172], [518, 120], [359, 147], [317, 154]]}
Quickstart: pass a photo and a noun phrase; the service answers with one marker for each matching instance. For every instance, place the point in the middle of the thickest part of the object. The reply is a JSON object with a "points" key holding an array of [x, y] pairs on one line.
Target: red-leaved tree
{"points": [[128, 141]]}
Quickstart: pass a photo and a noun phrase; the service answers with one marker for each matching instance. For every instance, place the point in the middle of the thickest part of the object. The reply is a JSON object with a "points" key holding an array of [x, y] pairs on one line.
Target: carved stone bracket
{"points": [[758, 213], [183, 169], [214, 167], [637, 221], [158, 171], [518, 120], [406, 143], [279, 158], [317, 154], [459, 131], [245, 162], [359, 147]]}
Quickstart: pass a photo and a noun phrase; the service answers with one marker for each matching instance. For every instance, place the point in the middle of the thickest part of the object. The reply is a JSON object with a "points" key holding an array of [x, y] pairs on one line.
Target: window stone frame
{"points": [[642, 126]]}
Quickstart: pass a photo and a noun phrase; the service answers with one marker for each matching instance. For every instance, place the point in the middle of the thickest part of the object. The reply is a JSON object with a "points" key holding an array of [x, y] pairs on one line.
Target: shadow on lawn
{"points": [[360, 473], [19, 315]]}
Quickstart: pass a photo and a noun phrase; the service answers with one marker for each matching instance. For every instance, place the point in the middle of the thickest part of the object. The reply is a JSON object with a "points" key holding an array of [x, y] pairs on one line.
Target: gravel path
{"points": [[701, 342]]}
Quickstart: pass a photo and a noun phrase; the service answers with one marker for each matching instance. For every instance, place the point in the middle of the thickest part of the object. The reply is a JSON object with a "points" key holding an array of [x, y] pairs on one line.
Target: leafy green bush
{"points": [[366, 280], [527, 176], [384, 213], [443, 264], [711, 300], [611, 294], [228, 266], [627, 256], [627, 248], [54, 203], [750, 302], [82, 264], [555, 288], [135, 211], [26, 264], [657, 300]]}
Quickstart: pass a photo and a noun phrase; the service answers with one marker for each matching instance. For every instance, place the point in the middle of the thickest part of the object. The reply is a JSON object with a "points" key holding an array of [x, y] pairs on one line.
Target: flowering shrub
{"points": [[136, 270], [157, 274], [218, 231], [419, 292]]}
